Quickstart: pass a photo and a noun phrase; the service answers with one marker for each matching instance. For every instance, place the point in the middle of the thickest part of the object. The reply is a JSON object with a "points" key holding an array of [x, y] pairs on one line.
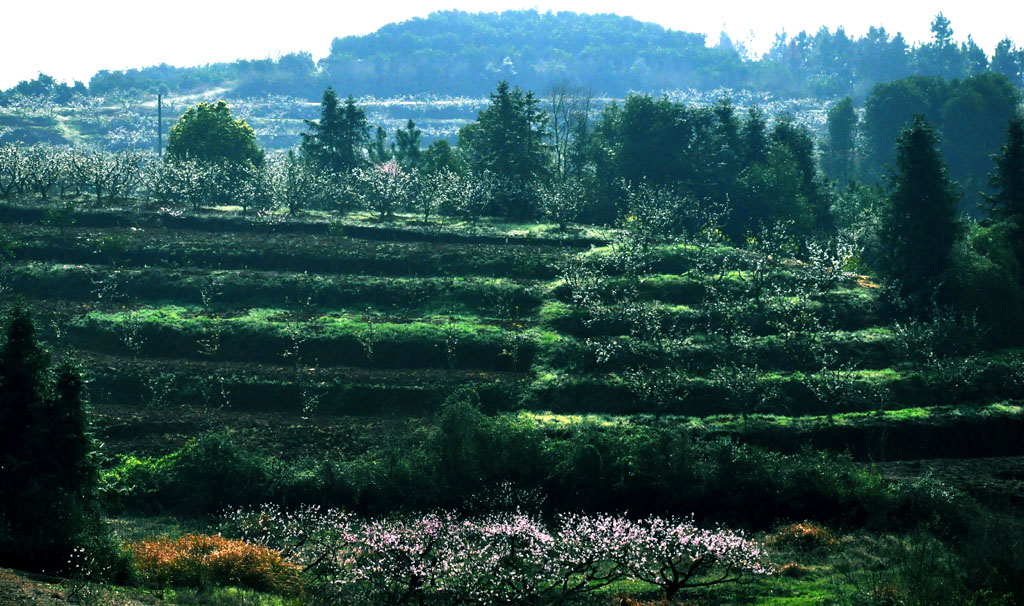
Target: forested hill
{"points": [[455, 53], [461, 53]]}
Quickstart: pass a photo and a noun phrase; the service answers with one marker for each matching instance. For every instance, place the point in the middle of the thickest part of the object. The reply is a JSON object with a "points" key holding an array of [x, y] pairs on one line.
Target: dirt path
{"points": [[19, 588]]}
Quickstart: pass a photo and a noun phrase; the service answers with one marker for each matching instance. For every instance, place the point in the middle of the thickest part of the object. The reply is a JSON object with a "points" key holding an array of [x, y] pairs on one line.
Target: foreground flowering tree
{"points": [[674, 555], [502, 558], [403, 560]]}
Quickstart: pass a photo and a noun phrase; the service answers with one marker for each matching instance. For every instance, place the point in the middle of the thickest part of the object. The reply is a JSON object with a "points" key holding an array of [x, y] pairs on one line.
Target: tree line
{"points": [[459, 53]]}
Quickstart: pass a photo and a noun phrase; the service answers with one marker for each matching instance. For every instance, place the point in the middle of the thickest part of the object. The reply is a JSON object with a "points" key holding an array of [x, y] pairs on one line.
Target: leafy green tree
{"points": [[770, 191], [969, 114], [887, 111], [648, 142], [667, 146], [974, 118], [48, 504], [881, 58], [920, 225], [440, 157], [209, 133], [973, 57], [797, 139], [507, 140], [839, 151], [336, 141]]}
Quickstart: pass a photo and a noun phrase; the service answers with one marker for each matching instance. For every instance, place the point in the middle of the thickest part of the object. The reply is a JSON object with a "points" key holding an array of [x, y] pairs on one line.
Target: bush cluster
{"points": [[645, 469], [197, 560]]}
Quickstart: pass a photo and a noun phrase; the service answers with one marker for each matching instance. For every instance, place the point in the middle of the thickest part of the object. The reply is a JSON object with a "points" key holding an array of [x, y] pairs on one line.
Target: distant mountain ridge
{"points": [[454, 53]]}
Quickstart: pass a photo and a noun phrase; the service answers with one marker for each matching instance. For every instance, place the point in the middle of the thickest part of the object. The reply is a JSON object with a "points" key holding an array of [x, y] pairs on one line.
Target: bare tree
{"points": [[570, 126]]}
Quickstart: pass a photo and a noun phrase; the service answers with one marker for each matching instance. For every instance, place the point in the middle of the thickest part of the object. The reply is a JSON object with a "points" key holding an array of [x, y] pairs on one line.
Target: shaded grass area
{"points": [[270, 336], [871, 348], [360, 225], [909, 433], [325, 254], [225, 289], [582, 467], [568, 378]]}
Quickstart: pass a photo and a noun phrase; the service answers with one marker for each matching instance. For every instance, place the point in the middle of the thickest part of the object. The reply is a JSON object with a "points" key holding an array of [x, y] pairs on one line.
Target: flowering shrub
{"points": [[502, 558], [199, 560]]}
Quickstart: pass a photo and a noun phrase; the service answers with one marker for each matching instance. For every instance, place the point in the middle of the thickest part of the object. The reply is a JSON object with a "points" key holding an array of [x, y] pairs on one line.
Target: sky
{"points": [[74, 39]]}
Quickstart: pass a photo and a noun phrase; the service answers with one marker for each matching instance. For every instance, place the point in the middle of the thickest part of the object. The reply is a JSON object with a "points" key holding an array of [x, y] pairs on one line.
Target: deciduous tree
{"points": [[209, 133]]}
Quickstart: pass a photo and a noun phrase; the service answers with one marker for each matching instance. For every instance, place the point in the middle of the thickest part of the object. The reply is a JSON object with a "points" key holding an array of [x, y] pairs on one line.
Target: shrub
{"points": [[804, 536], [197, 560]]}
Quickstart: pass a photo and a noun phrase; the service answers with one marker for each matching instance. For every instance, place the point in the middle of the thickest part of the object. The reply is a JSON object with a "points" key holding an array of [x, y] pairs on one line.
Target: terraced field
{"points": [[311, 319]]}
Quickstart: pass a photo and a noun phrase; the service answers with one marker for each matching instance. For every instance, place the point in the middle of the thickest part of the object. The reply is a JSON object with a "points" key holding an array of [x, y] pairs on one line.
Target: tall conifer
{"points": [[920, 225]]}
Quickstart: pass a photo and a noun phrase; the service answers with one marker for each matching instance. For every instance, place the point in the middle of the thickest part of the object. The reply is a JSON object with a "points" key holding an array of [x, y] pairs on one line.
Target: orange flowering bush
{"points": [[198, 560], [805, 536]]}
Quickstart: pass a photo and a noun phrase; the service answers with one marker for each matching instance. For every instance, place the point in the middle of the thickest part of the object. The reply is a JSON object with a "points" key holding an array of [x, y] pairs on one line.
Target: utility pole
{"points": [[160, 125]]}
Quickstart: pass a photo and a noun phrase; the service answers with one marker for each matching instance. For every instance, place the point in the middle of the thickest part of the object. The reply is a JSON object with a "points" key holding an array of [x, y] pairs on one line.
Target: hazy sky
{"points": [[74, 39]]}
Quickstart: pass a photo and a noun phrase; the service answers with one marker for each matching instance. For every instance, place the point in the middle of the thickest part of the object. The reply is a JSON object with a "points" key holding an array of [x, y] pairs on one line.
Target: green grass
{"points": [[731, 422]]}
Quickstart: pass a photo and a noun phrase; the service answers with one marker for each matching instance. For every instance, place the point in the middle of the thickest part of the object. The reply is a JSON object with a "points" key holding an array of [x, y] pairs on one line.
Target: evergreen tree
{"points": [[754, 134], [1008, 179], [941, 57], [407, 150], [920, 225], [378, 149], [47, 478], [1007, 61], [507, 140], [336, 141], [839, 151]]}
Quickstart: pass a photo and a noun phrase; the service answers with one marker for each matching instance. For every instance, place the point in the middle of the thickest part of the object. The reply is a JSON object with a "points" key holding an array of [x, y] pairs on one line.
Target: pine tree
{"points": [[336, 141], [47, 478], [23, 366], [378, 149], [920, 225], [1008, 179], [507, 141], [839, 151], [408, 145], [754, 134]]}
